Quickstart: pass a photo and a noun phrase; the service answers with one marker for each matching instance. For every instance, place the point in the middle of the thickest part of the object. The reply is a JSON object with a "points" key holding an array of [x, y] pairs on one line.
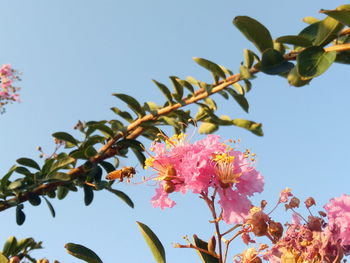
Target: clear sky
{"points": [[75, 54]]}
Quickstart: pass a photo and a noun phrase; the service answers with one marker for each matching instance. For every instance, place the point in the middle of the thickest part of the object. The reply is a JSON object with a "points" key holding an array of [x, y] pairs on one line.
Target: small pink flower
{"points": [[285, 194]]}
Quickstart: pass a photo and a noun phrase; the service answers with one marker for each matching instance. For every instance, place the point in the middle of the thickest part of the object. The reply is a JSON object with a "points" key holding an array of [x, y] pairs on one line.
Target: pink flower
{"points": [[338, 210], [207, 163]]}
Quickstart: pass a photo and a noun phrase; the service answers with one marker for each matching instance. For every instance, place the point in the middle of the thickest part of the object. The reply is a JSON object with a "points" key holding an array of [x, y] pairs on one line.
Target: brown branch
{"points": [[135, 129], [198, 248]]}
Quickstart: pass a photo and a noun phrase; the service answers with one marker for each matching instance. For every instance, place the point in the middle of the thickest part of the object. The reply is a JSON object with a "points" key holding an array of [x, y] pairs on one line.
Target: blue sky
{"points": [[75, 54]]}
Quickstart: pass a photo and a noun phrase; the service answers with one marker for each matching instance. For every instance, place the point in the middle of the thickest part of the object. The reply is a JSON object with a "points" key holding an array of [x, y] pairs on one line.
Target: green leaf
{"points": [[62, 192], [207, 128], [327, 31], [52, 210], [124, 114], [47, 165], [140, 156], [240, 99], [20, 216], [15, 184], [23, 244], [132, 103], [130, 143], [107, 166], [90, 151], [179, 90], [343, 57], [28, 162], [186, 84], [342, 14], [5, 180], [295, 40], [254, 31], [245, 73], [252, 126], [82, 253], [205, 258], [3, 259], [63, 136], [273, 63], [9, 246], [62, 163], [153, 242], [107, 131], [165, 91], [310, 20], [295, 80], [122, 196], [88, 194], [314, 61], [211, 66], [23, 170], [249, 58], [58, 176], [34, 199], [310, 32]]}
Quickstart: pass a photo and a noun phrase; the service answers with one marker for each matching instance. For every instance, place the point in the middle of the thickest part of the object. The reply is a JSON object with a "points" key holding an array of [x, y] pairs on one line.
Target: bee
{"points": [[126, 172]]}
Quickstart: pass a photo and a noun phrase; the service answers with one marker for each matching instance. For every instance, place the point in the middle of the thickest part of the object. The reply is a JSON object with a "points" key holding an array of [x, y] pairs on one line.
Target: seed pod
{"points": [[212, 244]]}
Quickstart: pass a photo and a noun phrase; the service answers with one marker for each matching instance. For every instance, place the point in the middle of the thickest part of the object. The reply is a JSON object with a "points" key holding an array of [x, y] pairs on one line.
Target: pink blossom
{"points": [[285, 194], [338, 210]]}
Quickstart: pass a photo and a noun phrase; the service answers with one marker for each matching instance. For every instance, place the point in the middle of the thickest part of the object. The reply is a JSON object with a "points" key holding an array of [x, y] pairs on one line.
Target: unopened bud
{"points": [[263, 204], [294, 202], [212, 244], [321, 213], [310, 202], [169, 187], [314, 223]]}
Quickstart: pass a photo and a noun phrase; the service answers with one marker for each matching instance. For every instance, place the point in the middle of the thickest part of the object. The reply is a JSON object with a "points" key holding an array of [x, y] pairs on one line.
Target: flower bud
{"points": [[169, 187], [263, 204], [294, 202], [314, 223], [212, 244], [14, 259], [321, 213], [310, 202]]}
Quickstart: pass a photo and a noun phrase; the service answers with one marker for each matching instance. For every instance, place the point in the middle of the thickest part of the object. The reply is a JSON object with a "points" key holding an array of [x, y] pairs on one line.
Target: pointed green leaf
{"points": [[328, 30], [342, 14], [273, 63], [211, 66], [52, 210], [66, 137], [132, 103], [23, 170], [254, 31], [82, 253], [240, 99], [343, 57], [153, 242], [314, 61], [294, 40], [62, 163], [310, 20], [179, 90], [252, 126], [29, 163], [186, 84], [107, 166], [124, 114], [62, 192], [245, 73], [310, 32], [164, 89], [59, 176], [122, 196], [205, 258]]}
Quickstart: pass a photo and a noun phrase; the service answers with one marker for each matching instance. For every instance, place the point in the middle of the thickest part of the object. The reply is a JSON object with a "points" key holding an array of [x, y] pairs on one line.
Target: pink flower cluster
{"points": [[8, 93], [316, 240], [208, 163]]}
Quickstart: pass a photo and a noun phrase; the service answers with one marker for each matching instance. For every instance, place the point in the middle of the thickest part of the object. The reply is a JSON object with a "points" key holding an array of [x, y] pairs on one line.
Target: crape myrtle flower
{"points": [[206, 164]]}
